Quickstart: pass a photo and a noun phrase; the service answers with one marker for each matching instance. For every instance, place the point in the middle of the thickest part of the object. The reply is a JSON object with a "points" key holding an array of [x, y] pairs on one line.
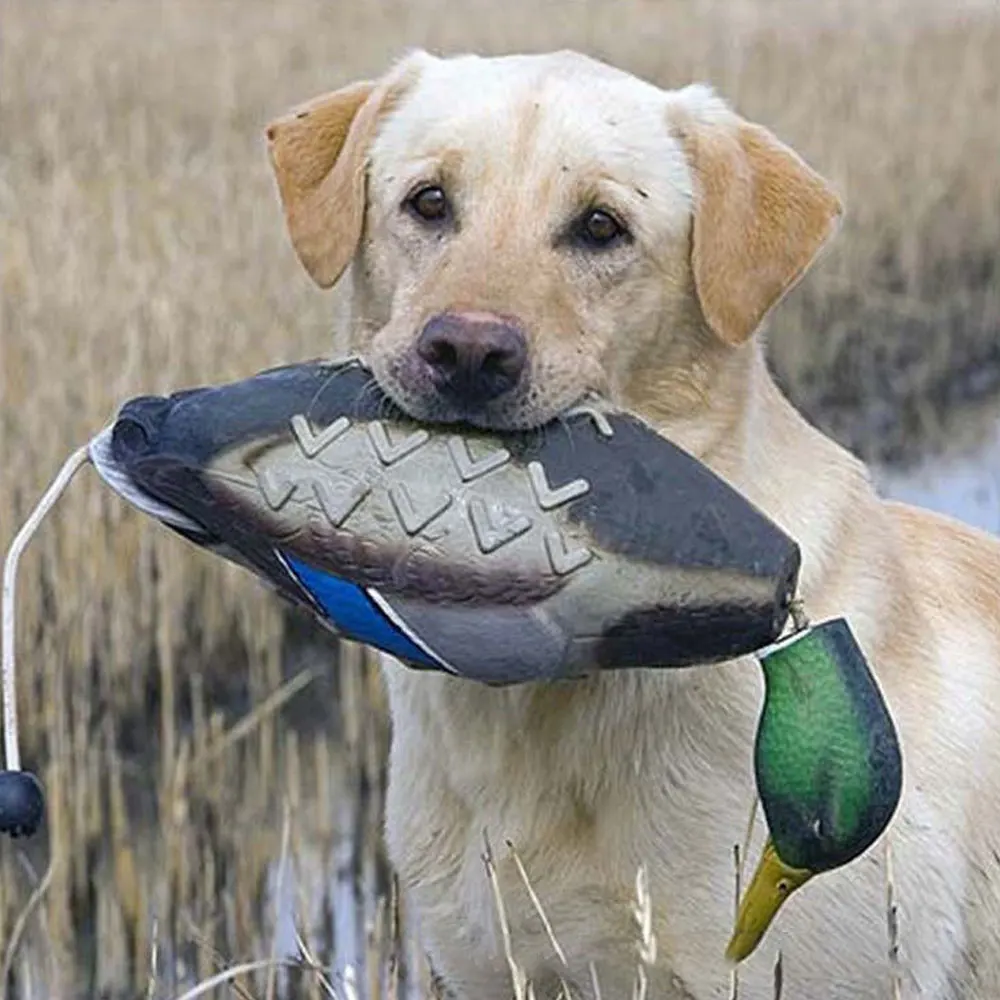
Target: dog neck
{"points": [[747, 431]]}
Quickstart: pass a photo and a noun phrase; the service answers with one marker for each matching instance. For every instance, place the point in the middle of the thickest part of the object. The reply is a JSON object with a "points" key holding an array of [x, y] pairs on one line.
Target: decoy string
{"points": [[12, 750]]}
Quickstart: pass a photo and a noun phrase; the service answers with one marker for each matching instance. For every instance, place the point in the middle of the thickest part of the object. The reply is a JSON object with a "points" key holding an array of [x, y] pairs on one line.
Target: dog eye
{"points": [[600, 229], [429, 203]]}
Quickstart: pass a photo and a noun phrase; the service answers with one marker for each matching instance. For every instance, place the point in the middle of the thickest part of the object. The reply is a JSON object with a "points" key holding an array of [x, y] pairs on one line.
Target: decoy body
{"points": [[591, 543]]}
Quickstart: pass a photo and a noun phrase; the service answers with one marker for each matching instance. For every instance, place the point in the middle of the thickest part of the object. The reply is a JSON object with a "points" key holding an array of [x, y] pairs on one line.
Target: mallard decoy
{"points": [[828, 768], [590, 544]]}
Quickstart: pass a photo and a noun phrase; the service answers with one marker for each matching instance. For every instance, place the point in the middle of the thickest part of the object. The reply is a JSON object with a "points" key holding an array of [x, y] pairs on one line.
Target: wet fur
{"points": [[589, 779]]}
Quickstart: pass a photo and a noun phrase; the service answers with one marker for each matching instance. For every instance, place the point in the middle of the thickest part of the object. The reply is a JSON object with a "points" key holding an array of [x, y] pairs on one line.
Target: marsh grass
{"points": [[175, 712]]}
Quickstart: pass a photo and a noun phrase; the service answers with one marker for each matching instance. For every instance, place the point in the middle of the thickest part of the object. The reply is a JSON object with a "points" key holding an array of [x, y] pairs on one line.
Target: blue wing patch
{"points": [[352, 613]]}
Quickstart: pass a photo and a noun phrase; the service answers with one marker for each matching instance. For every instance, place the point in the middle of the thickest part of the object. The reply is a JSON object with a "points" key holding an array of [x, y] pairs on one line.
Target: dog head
{"points": [[524, 230]]}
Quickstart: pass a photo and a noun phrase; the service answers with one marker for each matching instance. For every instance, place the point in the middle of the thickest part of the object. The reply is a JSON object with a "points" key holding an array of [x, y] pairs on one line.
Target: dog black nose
{"points": [[473, 357]]}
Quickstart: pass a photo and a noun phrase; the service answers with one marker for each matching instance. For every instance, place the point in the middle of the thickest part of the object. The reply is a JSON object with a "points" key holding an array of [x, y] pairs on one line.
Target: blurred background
{"points": [[214, 764]]}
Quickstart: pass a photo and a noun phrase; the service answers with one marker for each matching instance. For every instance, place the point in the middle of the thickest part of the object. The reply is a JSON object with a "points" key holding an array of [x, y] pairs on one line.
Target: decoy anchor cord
{"points": [[12, 750]]}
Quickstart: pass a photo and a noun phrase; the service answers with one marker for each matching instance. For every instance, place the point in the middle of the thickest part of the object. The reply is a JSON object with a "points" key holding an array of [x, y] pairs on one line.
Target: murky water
{"points": [[962, 483]]}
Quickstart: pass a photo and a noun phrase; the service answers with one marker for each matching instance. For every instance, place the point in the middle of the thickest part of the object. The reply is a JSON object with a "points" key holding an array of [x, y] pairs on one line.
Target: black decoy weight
{"points": [[22, 803]]}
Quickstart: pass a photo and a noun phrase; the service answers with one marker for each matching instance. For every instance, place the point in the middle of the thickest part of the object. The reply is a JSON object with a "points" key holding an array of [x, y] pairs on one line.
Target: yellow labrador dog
{"points": [[517, 231]]}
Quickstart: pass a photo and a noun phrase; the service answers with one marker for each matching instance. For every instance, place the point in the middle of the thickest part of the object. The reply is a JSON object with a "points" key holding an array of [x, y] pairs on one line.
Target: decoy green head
{"points": [[828, 768]]}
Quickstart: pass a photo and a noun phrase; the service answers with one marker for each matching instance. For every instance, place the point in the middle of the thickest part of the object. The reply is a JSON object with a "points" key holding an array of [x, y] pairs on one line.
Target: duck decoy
{"points": [[592, 543]]}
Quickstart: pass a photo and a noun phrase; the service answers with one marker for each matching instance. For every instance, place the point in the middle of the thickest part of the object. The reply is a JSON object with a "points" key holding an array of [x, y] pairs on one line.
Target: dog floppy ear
{"points": [[761, 214], [319, 153]]}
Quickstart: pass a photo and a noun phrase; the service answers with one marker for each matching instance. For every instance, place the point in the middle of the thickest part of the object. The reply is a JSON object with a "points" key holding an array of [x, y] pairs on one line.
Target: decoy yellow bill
{"points": [[772, 883]]}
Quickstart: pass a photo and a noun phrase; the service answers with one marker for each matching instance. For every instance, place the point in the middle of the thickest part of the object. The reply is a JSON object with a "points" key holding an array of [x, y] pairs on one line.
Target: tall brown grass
{"points": [[141, 249]]}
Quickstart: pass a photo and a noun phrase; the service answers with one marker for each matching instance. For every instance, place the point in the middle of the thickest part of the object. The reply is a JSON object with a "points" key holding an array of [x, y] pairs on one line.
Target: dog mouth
{"points": [[412, 389]]}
